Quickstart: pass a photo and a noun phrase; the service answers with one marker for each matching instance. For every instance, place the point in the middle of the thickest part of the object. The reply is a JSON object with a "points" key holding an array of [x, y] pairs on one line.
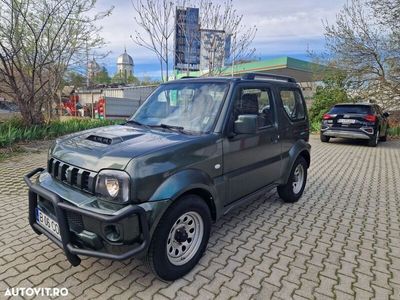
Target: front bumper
{"points": [[62, 208]]}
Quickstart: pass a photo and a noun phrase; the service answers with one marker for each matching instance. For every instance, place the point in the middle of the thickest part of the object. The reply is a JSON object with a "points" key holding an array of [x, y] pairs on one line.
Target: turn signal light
{"points": [[370, 118]]}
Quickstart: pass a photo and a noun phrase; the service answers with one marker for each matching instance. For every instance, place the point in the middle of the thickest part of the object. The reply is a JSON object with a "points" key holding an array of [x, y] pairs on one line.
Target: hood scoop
{"points": [[103, 140], [107, 139]]}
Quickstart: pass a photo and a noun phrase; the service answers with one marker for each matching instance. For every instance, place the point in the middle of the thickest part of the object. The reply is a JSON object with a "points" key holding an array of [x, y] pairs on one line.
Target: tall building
{"points": [[125, 65], [215, 49], [187, 39], [198, 49]]}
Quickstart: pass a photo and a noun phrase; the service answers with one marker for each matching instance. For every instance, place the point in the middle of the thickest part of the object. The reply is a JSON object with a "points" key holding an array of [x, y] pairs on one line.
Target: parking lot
{"points": [[341, 240]]}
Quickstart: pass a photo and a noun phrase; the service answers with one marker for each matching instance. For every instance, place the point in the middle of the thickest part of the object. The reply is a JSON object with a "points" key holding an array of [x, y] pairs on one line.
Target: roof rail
{"points": [[188, 77], [252, 76]]}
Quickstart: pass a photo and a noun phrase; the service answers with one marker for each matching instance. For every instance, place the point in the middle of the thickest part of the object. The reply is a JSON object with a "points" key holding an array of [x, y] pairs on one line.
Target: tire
{"points": [[373, 141], [290, 192], [384, 138], [185, 248], [324, 138]]}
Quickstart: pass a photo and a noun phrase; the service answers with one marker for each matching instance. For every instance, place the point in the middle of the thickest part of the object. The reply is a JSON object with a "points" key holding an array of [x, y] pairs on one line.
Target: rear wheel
{"points": [[324, 138], [294, 188], [373, 142], [384, 138], [180, 238]]}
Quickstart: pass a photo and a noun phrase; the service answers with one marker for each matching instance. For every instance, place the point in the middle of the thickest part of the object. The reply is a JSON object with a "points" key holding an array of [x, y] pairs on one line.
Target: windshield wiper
{"points": [[172, 127], [137, 123]]}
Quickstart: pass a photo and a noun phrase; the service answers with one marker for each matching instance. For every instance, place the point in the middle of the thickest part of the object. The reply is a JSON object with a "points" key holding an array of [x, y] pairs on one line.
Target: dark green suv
{"points": [[195, 150]]}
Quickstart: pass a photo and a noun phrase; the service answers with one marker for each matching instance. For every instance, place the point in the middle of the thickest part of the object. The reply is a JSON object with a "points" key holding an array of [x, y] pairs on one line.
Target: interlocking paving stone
{"points": [[340, 241]]}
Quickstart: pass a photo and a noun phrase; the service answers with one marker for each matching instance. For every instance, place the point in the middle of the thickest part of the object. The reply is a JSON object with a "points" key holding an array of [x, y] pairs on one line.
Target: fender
{"points": [[175, 186], [291, 157], [183, 181]]}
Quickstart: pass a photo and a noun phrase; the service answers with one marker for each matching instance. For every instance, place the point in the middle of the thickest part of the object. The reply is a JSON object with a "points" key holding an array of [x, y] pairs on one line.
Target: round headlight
{"points": [[112, 186]]}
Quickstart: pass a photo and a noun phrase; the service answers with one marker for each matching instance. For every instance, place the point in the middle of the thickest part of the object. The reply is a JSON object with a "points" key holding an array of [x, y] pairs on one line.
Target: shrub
{"points": [[394, 131], [14, 130], [331, 92]]}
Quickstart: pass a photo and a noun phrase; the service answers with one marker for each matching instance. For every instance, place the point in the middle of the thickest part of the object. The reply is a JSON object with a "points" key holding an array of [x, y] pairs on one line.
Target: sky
{"points": [[285, 28]]}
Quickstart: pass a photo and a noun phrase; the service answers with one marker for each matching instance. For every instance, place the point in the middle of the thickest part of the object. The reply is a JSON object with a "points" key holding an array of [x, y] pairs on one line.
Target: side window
{"points": [[255, 101], [293, 104]]}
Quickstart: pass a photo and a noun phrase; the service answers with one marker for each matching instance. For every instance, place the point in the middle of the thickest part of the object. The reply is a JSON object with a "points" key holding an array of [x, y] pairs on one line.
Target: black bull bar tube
{"points": [[60, 207]]}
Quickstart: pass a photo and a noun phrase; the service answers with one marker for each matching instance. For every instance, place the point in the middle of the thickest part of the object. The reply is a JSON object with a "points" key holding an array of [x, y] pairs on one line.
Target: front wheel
{"points": [[180, 238], [294, 188]]}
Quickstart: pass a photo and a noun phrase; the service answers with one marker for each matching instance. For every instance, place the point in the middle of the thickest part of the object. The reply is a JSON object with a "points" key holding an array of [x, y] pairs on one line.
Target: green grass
{"points": [[14, 131], [315, 126]]}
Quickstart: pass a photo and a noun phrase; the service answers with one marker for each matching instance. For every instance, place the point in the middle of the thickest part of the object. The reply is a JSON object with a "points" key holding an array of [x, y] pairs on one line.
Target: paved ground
{"points": [[341, 240]]}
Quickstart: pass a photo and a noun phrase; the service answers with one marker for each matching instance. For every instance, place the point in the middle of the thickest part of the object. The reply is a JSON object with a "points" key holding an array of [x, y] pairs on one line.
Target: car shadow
{"points": [[390, 143]]}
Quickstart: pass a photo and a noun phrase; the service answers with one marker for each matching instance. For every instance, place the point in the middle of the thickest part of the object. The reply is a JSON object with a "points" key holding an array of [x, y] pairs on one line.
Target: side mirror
{"points": [[386, 114], [246, 124]]}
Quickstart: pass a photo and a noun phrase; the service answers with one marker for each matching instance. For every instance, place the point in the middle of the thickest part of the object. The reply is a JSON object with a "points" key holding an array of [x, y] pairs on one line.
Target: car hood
{"points": [[112, 147]]}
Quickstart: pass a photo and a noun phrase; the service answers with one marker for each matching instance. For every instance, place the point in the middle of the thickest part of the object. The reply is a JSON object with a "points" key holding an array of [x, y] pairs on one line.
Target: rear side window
{"points": [[350, 109], [293, 104]]}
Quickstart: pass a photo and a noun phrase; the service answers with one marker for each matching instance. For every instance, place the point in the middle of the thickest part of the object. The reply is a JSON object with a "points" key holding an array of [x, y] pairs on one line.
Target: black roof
{"points": [[253, 77]]}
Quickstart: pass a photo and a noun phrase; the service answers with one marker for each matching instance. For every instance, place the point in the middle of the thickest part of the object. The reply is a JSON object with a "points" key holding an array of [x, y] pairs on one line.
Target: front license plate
{"points": [[48, 223], [346, 121]]}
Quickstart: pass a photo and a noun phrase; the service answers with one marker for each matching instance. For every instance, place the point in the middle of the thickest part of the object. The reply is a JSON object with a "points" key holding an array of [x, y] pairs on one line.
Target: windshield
{"points": [[190, 106], [350, 109]]}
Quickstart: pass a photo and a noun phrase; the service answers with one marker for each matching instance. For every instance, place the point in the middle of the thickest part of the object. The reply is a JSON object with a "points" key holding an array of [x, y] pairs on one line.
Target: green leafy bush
{"points": [[394, 131], [14, 130], [331, 92]]}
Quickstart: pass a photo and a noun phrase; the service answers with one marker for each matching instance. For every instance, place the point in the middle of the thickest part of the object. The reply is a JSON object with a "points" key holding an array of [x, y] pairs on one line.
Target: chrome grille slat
{"points": [[60, 170], [73, 176], [79, 179]]}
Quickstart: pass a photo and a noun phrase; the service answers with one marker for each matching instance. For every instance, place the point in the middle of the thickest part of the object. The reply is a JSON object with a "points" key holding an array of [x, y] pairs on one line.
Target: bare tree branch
{"points": [[363, 42], [39, 40]]}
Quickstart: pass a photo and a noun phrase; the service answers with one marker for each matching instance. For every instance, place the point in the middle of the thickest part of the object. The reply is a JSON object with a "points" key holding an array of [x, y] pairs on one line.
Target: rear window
{"points": [[350, 109], [293, 104]]}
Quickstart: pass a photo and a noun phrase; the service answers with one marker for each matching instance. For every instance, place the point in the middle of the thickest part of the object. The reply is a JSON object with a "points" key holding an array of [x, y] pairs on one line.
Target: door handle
{"points": [[275, 139]]}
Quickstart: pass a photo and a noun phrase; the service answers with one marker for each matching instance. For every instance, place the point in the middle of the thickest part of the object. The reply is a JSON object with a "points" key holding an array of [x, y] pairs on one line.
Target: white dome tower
{"points": [[125, 65]]}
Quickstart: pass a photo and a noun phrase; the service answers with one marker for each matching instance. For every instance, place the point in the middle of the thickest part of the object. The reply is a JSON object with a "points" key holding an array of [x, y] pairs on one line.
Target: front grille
{"points": [[76, 177], [75, 221]]}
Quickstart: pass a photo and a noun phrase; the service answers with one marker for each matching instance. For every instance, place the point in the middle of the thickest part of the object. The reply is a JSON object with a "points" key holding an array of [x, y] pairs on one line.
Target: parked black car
{"points": [[355, 121], [195, 150]]}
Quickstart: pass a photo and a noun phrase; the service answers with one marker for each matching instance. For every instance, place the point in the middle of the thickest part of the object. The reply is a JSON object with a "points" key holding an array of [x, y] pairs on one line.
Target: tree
{"points": [[220, 22], [102, 77], [147, 80], [132, 80], [39, 40], [226, 23], [155, 17], [364, 42], [332, 91], [120, 79], [74, 79]]}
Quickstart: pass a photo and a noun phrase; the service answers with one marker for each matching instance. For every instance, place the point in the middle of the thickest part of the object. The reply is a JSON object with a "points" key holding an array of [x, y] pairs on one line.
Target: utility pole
{"points": [[233, 53], [87, 66]]}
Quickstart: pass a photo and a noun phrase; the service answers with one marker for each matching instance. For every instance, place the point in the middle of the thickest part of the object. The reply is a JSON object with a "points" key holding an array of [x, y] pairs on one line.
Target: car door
{"points": [[251, 161], [294, 120]]}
